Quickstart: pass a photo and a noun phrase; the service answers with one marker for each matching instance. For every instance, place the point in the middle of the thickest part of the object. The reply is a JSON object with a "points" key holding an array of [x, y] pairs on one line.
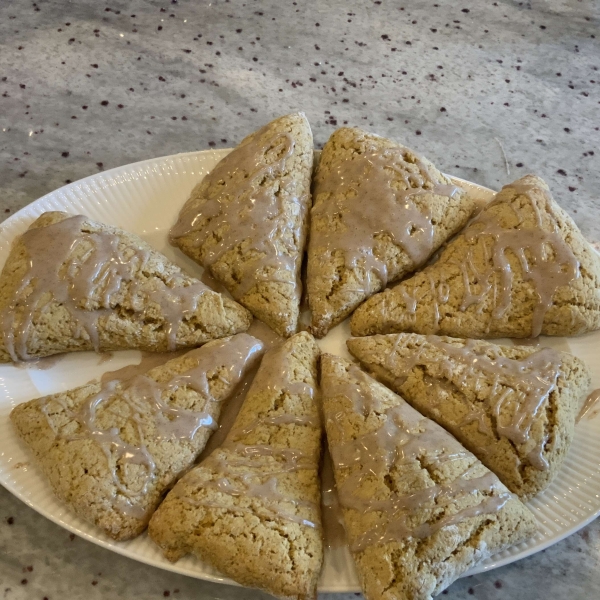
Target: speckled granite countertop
{"points": [[488, 90]]}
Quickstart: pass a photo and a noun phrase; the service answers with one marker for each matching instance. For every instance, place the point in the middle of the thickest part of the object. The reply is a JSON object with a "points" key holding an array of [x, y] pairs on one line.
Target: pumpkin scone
{"points": [[251, 509], [72, 284], [111, 450], [520, 269], [419, 509], [246, 221], [380, 212], [513, 407]]}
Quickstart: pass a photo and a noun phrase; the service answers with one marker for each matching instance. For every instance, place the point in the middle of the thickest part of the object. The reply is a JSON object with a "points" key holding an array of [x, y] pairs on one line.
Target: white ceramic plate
{"points": [[145, 198]]}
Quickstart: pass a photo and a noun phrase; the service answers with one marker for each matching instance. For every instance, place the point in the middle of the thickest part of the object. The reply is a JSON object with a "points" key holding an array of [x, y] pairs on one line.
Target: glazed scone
{"points": [[251, 509], [246, 221], [512, 407], [380, 212], [72, 284], [110, 451], [419, 509], [520, 269]]}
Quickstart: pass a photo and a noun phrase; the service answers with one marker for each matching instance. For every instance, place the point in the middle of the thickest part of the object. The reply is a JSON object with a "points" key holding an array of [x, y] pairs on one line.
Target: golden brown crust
{"points": [[128, 325], [336, 289], [415, 567], [77, 466], [436, 385], [247, 537], [272, 295], [574, 309]]}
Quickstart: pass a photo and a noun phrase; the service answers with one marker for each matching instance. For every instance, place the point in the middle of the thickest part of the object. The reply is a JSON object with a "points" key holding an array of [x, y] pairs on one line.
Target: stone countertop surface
{"points": [[488, 90]]}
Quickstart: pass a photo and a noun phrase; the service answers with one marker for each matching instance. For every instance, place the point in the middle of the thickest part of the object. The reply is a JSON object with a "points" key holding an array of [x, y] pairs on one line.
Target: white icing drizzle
{"points": [[402, 438], [365, 206], [524, 385], [145, 398], [88, 286], [260, 480], [545, 258], [249, 216]]}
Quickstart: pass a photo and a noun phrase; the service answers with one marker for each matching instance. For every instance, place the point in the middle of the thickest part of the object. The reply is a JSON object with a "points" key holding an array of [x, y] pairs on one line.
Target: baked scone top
{"points": [[513, 407], [246, 221], [111, 449], [419, 509], [380, 211], [71, 284], [284, 392], [521, 268], [251, 509]]}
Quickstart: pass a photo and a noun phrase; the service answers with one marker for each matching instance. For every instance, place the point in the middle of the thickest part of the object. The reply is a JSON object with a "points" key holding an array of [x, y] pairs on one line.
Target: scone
{"points": [[380, 212], [520, 269], [419, 509], [513, 407], [72, 284], [251, 509], [246, 221], [111, 451]]}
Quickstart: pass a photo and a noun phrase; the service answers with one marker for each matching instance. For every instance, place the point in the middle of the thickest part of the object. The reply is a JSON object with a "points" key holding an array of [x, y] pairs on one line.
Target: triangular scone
{"points": [[520, 269], [380, 212], [246, 221], [72, 284], [513, 407], [110, 451], [251, 509], [419, 509]]}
